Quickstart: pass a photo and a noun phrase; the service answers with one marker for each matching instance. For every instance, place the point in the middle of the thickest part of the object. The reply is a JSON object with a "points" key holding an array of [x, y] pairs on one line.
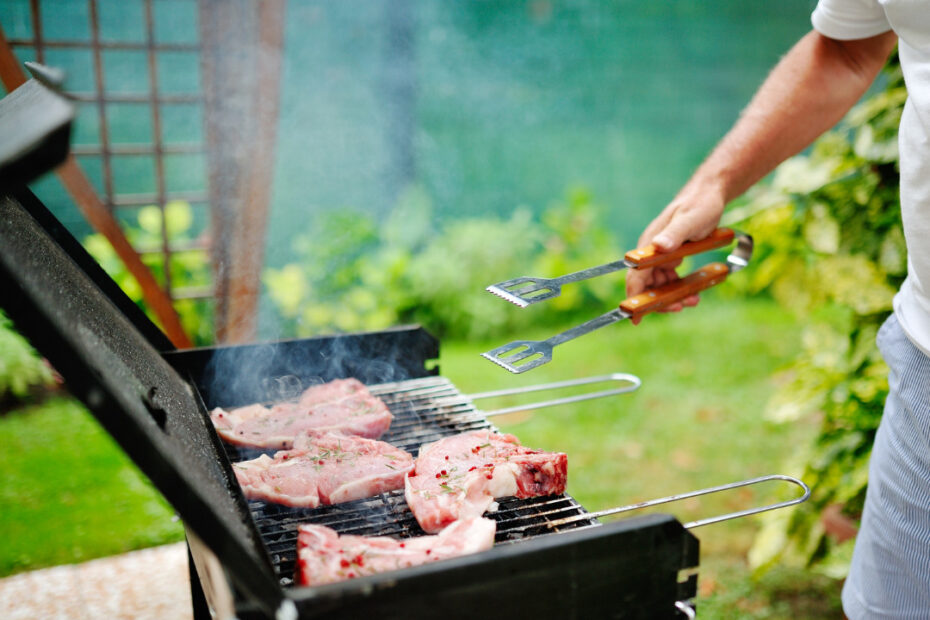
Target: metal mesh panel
{"points": [[113, 96]]}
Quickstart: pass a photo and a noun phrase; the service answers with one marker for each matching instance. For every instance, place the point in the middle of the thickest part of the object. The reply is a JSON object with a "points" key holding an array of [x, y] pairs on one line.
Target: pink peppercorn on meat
{"points": [[459, 477], [324, 468]]}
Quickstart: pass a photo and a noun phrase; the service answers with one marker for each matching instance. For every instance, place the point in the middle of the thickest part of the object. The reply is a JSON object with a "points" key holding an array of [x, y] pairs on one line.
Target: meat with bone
{"points": [[323, 556], [343, 405], [459, 477], [324, 468]]}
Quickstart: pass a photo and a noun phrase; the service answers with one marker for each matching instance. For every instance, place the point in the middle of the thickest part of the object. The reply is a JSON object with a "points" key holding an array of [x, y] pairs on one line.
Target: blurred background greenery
{"points": [[514, 103], [547, 135]]}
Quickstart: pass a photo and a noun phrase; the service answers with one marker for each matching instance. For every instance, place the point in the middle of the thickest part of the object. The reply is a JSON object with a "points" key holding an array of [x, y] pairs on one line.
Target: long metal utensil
{"points": [[706, 521], [522, 355], [527, 290], [806, 493], [629, 384]]}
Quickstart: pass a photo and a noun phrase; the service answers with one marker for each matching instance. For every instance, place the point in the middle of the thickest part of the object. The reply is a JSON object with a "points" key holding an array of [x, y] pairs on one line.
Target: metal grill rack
{"points": [[424, 410]]}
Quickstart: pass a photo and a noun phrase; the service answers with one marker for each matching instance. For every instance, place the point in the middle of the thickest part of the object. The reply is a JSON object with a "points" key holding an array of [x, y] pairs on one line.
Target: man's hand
{"points": [[691, 216]]}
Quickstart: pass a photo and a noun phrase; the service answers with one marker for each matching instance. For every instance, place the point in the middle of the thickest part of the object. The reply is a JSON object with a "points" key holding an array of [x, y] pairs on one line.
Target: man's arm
{"points": [[807, 93]]}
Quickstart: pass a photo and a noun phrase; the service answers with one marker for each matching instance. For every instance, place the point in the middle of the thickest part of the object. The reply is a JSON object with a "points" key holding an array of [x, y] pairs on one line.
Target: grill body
{"points": [[154, 401], [628, 569]]}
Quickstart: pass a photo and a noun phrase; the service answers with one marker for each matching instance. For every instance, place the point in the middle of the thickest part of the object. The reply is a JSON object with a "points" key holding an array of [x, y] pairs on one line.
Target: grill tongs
{"points": [[522, 355]]}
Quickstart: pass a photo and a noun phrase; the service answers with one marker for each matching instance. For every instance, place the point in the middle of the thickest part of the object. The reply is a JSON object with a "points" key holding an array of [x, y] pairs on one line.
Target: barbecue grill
{"points": [[550, 558]]}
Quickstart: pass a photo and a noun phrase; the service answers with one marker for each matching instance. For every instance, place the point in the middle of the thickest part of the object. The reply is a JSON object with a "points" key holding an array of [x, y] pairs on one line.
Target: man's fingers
{"points": [[679, 230], [687, 302], [637, 281], [654, 228], [691, 216], [674, 234], [661, 277]]}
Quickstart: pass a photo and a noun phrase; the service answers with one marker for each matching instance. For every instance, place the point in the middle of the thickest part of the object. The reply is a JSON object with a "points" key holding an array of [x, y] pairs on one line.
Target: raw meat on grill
{"points": [[343, 405], [460, 476], [324, 468], [323, 556]]}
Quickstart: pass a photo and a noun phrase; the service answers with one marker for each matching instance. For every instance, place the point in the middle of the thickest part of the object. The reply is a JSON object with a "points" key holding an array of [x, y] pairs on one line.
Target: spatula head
{"points": [[521, 355], [525, 291]]}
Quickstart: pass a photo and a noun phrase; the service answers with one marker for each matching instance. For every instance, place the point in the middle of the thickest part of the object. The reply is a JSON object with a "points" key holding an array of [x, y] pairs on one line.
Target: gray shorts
{"points": [[890, 572]]}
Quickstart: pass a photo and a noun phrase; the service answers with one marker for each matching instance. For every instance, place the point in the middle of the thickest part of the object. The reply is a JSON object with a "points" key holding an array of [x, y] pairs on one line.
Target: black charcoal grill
{"points": [[154, 401], [425, 410]]}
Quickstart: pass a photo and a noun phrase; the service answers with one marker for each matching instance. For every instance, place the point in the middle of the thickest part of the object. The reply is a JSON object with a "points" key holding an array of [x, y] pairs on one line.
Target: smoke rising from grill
{"points": [[245, 374], [287, 387]]}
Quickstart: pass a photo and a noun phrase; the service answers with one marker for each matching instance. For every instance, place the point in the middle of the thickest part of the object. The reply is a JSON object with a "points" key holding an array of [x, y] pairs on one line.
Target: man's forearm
{"points": [[807, 93]]}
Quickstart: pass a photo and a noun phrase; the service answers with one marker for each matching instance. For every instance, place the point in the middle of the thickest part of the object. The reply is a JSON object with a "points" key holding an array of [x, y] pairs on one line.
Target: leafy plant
{"points": [[354, 274], [21, 368], [828, 232]]}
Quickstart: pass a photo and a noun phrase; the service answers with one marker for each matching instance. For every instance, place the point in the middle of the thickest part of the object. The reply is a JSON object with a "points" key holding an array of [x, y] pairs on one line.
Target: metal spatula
{"points": [[522, 355], [528, 290]]}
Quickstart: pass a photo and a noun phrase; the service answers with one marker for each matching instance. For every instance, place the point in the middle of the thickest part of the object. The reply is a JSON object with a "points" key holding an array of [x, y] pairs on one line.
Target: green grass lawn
{"points": [[70, 494]]}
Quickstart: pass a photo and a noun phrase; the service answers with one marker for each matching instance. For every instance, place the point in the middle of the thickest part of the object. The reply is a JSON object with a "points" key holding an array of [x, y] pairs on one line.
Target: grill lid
{"points": [[151, 411], [36, 126]]}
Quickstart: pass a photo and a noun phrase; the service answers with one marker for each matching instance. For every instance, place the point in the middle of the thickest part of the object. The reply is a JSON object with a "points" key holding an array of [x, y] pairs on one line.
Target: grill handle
{"points": [[630, 383], [708, 491], [749, 511]]}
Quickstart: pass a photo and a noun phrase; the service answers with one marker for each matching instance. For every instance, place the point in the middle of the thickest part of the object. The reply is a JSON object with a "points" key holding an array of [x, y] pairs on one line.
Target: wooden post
{"points": [[241, 42]]}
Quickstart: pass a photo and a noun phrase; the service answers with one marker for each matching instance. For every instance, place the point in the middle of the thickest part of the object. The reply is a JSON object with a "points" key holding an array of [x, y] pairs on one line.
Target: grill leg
{"points": [[198, 600]]}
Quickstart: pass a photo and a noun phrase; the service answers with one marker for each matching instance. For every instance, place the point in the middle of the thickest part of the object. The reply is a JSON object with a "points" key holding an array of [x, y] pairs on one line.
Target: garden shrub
{"points": [[353, 274]]}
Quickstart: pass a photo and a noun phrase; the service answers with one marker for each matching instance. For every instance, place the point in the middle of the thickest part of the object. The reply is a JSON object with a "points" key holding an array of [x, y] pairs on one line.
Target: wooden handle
{"points": [[657, 298], [649, 256]]}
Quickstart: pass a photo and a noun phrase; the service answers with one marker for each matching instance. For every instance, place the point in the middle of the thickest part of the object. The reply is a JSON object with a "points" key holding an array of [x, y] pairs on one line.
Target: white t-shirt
{"points": [[910, 19]]}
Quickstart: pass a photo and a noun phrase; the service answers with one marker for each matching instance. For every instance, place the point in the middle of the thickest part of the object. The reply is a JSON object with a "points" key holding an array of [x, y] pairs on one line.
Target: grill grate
{"points": [[425, 410]]}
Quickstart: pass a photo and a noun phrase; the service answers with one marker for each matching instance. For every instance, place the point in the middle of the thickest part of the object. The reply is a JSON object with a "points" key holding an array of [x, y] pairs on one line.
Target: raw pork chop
{"points": [[343, 405], [324, 557], [324, 468], [458, 477]]}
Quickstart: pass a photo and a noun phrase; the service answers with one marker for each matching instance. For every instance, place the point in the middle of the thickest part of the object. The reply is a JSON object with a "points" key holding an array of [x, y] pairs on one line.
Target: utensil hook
{"points": [[742, 253]]}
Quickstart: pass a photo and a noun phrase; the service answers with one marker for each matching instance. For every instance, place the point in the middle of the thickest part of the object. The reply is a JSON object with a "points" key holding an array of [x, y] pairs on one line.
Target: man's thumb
{"points": [[672, 236]]}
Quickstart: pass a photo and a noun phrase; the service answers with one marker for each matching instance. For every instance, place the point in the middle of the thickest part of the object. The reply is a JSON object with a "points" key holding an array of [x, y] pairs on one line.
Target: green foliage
{"points": [[21, 368], [356, 275], [830, 247], [187, 268]]}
